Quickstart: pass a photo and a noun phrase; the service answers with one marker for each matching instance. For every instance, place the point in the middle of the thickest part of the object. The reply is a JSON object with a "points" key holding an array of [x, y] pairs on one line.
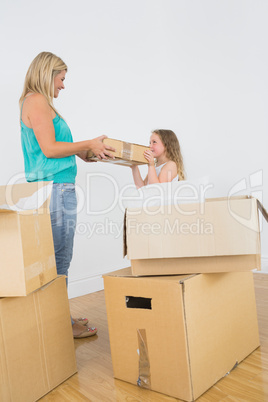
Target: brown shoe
{"points": [[80, 320], [81, 331]]}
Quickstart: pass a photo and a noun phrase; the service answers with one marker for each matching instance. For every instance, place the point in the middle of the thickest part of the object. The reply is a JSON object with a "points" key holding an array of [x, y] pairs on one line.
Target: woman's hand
{"points": [[100, 149], [148, 155], [84, 157]]}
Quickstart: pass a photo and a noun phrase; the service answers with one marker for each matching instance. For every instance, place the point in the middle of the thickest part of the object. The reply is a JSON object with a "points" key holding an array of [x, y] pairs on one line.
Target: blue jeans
{"points": [[63, 214]]}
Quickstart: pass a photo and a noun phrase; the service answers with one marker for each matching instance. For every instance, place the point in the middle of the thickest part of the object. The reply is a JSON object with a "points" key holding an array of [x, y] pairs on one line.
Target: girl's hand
{"points": [[148, 155]]}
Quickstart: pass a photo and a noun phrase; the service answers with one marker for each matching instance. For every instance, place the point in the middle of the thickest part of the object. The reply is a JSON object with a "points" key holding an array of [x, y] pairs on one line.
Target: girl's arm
{"points": [[137, 177], [152, 176], [39, 116], [167, 174]]}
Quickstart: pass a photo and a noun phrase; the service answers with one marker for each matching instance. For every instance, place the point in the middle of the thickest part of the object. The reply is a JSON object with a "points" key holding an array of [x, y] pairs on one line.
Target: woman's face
{"points": [[58, 83]]}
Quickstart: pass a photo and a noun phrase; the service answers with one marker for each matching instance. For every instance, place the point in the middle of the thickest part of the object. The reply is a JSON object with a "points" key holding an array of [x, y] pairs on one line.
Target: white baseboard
{"points": [[85, 286], [264, 264], [264, 259]]}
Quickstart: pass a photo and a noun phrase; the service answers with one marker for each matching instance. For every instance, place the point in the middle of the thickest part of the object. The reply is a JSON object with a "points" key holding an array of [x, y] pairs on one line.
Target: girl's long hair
{"points": [[173, 149], [40, 77]]}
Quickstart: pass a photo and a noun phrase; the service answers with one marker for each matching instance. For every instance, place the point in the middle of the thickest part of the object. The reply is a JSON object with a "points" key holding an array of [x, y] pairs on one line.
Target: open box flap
{"points": [[242, 197], [25, 197], [262, 210]]}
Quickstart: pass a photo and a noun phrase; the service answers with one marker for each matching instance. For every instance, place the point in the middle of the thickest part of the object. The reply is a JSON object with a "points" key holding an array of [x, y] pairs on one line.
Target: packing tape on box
{"points": [[144, 379], [127, 151], [37, 269]]}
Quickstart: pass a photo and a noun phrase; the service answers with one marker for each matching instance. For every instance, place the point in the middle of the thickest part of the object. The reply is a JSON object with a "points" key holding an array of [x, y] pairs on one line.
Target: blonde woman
{"points": [[165, 162], [50, 155]]}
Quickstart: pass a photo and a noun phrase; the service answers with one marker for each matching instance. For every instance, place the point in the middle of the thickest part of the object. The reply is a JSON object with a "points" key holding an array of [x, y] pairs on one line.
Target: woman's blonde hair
{"points": [[40, 76], [173, 149]]}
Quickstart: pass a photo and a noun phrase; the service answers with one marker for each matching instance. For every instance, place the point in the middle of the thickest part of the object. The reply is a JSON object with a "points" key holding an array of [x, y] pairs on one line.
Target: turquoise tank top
{"points": [[40, 168]]}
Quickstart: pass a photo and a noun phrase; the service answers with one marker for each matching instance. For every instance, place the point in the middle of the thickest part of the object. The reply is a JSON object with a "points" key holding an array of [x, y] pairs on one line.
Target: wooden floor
{"points": [[94, 380]]}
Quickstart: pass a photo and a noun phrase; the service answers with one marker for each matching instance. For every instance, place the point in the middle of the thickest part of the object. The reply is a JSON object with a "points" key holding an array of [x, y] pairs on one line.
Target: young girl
{"points": [[165, 149]]}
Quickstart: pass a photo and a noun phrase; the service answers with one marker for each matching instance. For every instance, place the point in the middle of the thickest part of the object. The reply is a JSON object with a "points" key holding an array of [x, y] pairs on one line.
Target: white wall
{"points": [[196, 67]]}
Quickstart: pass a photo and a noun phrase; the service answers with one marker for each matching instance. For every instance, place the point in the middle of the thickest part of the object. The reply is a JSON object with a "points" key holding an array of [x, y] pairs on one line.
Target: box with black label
{"points": [[179, 335]]}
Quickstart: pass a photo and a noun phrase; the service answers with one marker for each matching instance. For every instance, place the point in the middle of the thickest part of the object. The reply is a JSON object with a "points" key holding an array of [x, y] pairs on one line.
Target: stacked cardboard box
{"points": [[218, 235], [36, 342], [26, 243], [188, 302]]}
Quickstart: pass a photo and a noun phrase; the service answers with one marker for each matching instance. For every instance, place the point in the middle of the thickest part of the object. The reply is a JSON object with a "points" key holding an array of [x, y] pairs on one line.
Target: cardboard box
{"points": [[36, 343], [218, 235], [126, 154], [180, 334], [26, 242]]}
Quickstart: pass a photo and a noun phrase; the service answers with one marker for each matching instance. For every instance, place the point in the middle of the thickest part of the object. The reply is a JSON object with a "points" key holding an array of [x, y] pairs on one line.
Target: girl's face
{"points": [[156, 146], [58, 83]]}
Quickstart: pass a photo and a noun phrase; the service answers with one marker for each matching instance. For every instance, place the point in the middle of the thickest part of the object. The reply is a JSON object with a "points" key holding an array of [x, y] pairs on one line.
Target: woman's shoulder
{"points": [[34, 98], [36, 103]]}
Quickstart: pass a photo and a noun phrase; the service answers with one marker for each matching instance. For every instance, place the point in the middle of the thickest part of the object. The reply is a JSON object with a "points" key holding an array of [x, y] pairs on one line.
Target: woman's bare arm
{"points": [[40, 118]]}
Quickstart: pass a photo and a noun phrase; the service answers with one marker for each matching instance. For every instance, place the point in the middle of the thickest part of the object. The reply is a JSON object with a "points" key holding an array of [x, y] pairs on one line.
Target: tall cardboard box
{"points": [[26, 243], [180, 334], [218, 235], [36, 343], [125, 154]]}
